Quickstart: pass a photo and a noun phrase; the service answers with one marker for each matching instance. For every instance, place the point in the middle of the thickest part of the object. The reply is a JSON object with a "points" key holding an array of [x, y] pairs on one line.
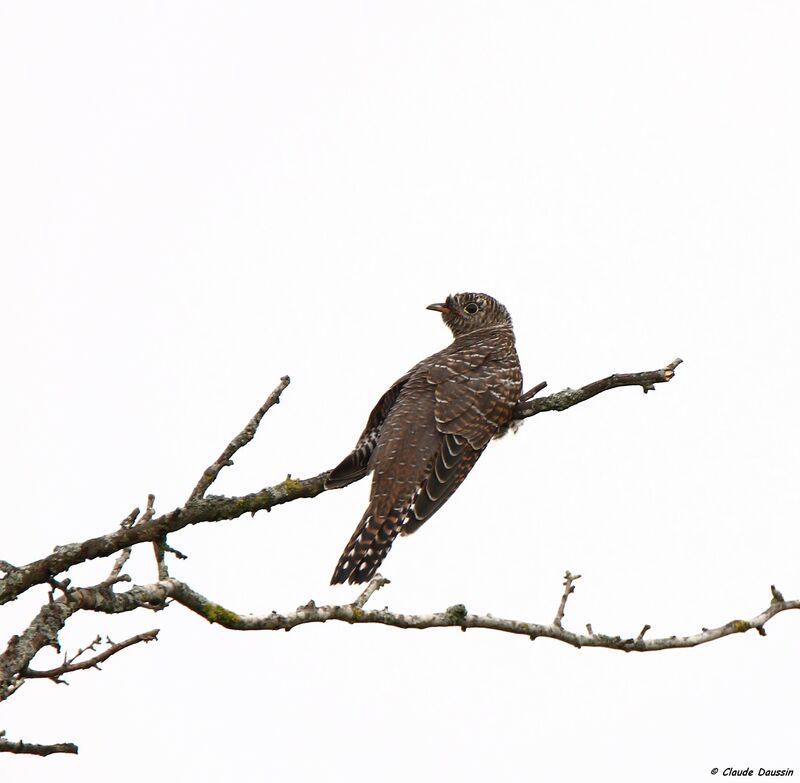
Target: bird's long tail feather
{"points": [[367, 548]]}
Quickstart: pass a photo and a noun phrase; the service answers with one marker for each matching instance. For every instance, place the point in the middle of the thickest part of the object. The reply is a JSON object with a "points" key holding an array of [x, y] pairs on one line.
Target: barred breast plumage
{"points": [[429, 428]]}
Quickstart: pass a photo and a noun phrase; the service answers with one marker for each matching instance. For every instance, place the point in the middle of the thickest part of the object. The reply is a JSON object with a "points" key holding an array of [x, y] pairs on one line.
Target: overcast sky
{"points": [[197, 198]]}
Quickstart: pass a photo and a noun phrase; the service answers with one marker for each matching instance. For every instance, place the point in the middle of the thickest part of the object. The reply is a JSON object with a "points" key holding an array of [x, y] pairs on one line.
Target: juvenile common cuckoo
{"points": [[429, 428]]}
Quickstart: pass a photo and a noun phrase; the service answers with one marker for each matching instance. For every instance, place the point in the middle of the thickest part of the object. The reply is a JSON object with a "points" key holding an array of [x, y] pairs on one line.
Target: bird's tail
{"points": [[367, 548]]}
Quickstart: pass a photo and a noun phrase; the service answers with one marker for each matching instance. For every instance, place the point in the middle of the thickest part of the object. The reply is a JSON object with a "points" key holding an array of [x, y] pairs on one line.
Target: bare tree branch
{"points": [[156, 594], [90, 663], [114, 575], [242, 439], [213, 508], [562, 400], [375, 584], [6, 746], [569, 588], [458, 616]]}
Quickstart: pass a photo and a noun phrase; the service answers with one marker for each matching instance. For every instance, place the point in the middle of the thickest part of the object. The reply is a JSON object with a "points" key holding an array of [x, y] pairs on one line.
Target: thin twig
{"points": [[81, 650], [89, 663], [160, 542], [569, 588], [242, 439], [531, 393], [114, 575], [150, 511], [376, 584], [55, 584], [172, 551], [130, 520]]}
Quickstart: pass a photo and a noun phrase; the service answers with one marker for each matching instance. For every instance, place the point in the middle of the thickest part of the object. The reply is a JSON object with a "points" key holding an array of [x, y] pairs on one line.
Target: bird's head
{"points": [[465, 313]]}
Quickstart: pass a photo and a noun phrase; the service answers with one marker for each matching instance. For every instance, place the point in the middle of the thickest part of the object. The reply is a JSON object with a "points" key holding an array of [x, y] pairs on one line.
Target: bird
{"points": [[427, 431]]}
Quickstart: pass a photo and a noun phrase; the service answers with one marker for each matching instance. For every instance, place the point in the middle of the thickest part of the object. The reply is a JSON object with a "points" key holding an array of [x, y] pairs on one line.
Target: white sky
{"points": [[197, 198]]}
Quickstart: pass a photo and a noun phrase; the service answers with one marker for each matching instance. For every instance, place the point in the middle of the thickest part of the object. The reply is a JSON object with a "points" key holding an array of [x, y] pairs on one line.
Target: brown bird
{"points": [[428, 430]]}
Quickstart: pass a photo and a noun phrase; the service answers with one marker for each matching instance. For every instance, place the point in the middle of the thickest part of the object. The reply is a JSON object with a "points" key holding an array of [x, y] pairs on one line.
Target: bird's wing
{"points": [[454, 459], [476, 390], [474, 395], [356, 464]]}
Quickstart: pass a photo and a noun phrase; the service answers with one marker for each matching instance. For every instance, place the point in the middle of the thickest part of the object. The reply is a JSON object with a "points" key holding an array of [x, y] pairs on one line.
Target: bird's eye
{"points": [[471, 308]]}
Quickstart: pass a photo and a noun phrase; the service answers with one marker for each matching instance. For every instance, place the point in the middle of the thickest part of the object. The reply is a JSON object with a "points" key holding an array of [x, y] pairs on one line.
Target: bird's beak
{"points": [[440, 307]]}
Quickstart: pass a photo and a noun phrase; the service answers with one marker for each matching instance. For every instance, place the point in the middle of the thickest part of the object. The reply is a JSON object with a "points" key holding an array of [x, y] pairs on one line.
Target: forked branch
{"points": [[74, 665], [201, 508], [562, 400], [453, 616]]}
